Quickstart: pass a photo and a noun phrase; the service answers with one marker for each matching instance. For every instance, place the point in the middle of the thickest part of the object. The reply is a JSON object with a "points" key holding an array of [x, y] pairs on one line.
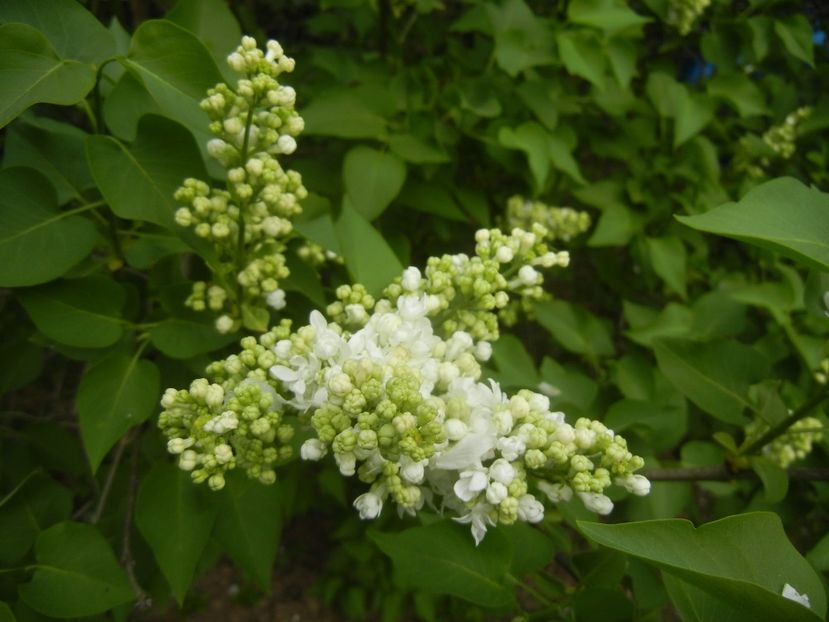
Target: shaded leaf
{"points": [[442, 558], [76, 574], [176, 523], [116, 393], [32, 227]]}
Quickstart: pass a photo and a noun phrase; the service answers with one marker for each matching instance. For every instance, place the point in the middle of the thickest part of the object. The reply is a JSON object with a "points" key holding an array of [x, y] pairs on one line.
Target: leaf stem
{"points": [[116, 461]]}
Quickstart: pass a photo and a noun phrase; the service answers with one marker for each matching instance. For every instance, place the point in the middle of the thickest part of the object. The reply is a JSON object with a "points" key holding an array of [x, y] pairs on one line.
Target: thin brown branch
{"points": [[142, 599]]}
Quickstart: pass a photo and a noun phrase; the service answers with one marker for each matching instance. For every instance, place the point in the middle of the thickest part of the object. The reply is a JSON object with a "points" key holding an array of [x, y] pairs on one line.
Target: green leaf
{"points": [[560, 148], [116, 393], [413, 149], [622, 54], [575, 328], [342, 114], [582, 56], [182, 338], [37, 242], [714, 375], [724, 560], [177, 70], [369, 259], [616, 226], [795, 33], [76, 574], [442, 558], [567, 386], [6, 614], [531, 548], [608, 15], [249, 524], [522, 40], [149, 248], [533, 140], [431, 198], [33, 506], [32, 73], [176, 522], [667, 257], [372, 179], [775, 479], [74, 32], [782, 215], [692, 114], [84, 313], [126, 104], [214, 24], [515, 366], [740, 91], [138, 181], [53, 148]]}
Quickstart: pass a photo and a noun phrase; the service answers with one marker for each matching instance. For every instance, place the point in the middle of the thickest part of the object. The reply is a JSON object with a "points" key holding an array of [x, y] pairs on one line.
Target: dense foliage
{"points": [[155, 212]]}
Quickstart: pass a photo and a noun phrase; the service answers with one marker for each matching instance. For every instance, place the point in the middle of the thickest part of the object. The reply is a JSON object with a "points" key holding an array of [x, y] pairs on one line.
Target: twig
{"points": [[722, 473], [142, 600], [116, 460]]}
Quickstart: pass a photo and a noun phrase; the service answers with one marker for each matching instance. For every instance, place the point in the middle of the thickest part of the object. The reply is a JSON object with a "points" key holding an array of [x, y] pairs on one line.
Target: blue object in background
{"points": [[819, 37], [696, 71]]}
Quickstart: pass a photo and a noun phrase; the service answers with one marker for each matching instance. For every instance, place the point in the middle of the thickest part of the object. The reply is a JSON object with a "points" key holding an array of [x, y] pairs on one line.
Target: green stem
{"points": [[240, 241], [90, 115], [803, 411]]}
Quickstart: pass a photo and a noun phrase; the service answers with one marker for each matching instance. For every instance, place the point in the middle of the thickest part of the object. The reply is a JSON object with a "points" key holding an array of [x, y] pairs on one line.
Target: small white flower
{"points": [[478, 518], [511, 447], [276, 299], [504, 254], [411, 279], [792, 594], [530, 509], [638, 485], [286, 144], [528, 275], [356, 314], [178, 445], [502, 471], [413, 472], [224, 324], [471, 482], [188, 460], [496, 492], [547, 389], [346, 462], [455, 429], [483, 351], [369, 505], [556, 492], [596, 502], [313, 449], [223, 453]]}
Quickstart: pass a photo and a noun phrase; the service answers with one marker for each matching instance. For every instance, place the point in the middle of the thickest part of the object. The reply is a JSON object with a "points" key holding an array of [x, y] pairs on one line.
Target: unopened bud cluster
{"points": [[212, 431], [794, 444], [562, 223], [782, 138], [683, 14], [469, 294], [248, 222], [392, 391]]}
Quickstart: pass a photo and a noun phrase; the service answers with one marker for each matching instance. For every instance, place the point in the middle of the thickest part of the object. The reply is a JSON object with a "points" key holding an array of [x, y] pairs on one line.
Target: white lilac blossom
{"points": [[395, 396], [249, 221]]}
